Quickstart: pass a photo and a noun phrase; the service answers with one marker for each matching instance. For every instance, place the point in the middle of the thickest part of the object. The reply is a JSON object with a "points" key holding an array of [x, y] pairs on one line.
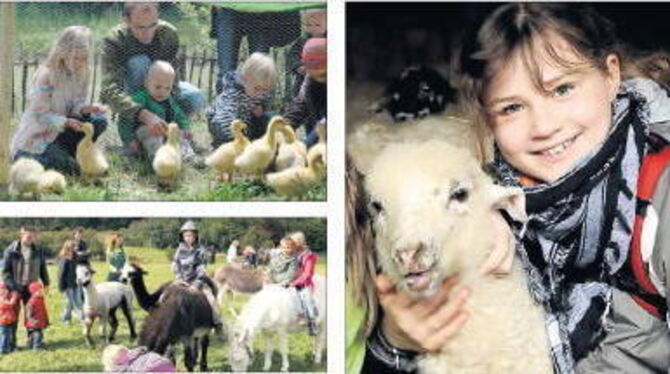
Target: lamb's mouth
{"points": [[419, 281]]}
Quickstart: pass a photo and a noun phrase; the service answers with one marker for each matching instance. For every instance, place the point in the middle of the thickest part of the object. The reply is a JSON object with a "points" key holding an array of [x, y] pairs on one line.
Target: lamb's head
{"points": [[84, 275], [431, 204], [241, 354]]}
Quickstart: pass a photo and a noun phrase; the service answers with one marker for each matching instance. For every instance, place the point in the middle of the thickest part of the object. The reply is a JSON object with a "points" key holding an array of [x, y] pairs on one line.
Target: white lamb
{"points": [[433, 210]]}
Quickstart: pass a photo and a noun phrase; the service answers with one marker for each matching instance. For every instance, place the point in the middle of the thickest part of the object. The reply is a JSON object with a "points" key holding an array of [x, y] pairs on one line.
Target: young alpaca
{"points": [[223, 158], [90, 158], [177, 313], [231, 279], [294, 182], [260, 153], [101, 301], [167, 162], [432, 222], [275, 310]]}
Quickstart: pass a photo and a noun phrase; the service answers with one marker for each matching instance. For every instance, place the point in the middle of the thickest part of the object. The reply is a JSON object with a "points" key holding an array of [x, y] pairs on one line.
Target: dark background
{"points": [[383, 38]]}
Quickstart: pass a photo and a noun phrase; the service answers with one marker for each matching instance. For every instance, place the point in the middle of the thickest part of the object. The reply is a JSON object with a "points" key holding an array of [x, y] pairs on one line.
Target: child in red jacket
{"points": [[9, 300], [36, 316]]}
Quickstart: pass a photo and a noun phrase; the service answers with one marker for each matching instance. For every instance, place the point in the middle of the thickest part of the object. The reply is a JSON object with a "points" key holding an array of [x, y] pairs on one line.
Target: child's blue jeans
{"points": [[35, 339], [72, 301], [7, 338]]}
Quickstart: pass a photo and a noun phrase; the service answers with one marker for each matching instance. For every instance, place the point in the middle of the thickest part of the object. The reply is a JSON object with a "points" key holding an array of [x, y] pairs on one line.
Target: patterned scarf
{"points": [[579, 230]]}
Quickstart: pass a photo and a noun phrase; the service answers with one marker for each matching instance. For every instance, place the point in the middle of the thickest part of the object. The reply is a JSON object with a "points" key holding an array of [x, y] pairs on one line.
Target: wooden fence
{"points": [[197, 67]]}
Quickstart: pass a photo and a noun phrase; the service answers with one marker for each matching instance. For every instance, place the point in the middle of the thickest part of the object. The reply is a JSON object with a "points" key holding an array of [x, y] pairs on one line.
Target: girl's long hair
{"points": [[67, 251], [360, 254], [71, 41]]}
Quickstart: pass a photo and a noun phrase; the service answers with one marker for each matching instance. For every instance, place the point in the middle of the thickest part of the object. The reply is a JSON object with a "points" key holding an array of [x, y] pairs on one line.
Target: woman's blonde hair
{"points": [[68, 249], [71, 40], [259, 68]]}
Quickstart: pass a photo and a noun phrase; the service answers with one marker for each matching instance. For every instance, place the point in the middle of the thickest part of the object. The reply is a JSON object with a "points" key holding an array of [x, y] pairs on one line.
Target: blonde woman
{"points": [[246, 96], [50, 127], [116, 258]]}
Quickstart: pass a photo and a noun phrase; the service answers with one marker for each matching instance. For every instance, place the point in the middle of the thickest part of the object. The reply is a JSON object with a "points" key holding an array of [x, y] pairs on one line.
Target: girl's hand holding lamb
{"points": [[423, 325], [499, 261]]}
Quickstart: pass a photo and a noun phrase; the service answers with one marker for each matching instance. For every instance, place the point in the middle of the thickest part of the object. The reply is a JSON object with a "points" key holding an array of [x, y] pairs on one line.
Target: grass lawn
{"points": [[134, 179], [67, 352]]}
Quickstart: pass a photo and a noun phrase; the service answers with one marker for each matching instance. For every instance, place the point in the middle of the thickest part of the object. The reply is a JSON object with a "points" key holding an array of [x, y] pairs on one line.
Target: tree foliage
{"points": [[163, 233]]}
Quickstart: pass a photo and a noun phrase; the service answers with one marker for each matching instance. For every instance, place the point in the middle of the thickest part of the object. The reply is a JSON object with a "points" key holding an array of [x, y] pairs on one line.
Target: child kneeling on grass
{"points": [[51, 125], [156, 97], [245, 95]]}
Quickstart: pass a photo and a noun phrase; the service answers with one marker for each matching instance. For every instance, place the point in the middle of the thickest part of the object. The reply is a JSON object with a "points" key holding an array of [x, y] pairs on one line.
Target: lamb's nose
{"points": [[409, 256]]}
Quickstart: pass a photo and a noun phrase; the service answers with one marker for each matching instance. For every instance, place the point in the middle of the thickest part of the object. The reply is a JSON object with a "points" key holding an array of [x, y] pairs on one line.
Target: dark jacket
{"points": [[309, 106], [82, 254], [67, 274], [233, 103], [13, 262]]}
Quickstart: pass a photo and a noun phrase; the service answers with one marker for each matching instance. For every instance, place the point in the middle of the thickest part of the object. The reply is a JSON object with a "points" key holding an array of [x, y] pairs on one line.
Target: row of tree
{"points": [[163, 233]]}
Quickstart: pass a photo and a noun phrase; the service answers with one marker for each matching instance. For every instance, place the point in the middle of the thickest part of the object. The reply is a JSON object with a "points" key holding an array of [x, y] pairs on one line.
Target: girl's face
{"points": [[544, 134], [189, 237], [77, 60]]}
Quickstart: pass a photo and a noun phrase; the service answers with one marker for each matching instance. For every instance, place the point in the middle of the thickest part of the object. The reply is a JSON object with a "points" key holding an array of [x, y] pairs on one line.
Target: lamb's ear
{"points": [[510, 199]]}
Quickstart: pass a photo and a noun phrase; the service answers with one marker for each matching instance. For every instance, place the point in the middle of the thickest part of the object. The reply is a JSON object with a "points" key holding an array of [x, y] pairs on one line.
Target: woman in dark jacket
{"points": [[67, 280]]}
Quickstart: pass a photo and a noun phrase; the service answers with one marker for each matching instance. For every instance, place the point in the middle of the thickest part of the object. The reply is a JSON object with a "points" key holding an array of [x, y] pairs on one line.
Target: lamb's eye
{"points": [[376, 207], [460, 194]]}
